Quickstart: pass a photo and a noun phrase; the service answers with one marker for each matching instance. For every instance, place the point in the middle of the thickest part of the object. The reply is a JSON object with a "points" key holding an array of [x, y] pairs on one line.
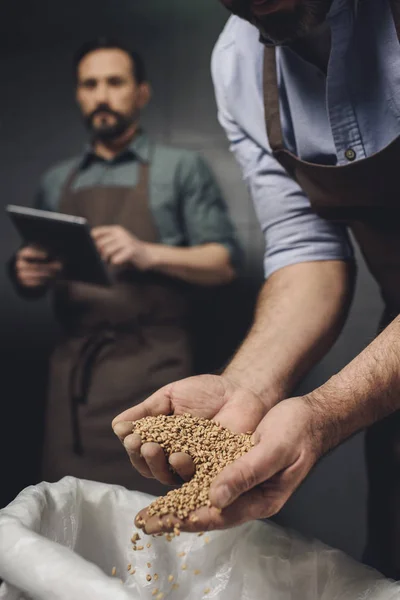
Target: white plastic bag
{"points": [[61, 542]]}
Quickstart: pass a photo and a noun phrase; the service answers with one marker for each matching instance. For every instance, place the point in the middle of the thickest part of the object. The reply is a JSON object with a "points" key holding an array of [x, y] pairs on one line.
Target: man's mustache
{"points": [[101, 109]]}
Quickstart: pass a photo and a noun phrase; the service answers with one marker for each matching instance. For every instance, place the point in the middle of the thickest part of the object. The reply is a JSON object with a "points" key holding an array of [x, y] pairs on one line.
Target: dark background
{"points": [[40, 125]]}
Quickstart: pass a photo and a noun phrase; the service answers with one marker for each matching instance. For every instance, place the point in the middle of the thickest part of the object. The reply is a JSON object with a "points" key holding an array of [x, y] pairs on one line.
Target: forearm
{"points": [[365, 391], [300, 312], [206, 265]]}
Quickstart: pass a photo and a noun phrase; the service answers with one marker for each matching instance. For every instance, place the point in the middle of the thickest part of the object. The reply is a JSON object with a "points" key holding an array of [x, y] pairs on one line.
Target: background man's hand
{"points": [[209, 396], [33, 268], [119, 247], [257, 485]]}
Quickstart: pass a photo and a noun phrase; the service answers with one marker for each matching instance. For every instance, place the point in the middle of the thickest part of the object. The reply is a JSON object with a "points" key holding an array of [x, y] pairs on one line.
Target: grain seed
{"points": [[211, 446]]}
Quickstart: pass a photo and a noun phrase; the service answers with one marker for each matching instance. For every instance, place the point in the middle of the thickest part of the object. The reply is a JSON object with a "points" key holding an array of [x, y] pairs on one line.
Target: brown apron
{"points": [[119, 345], [365, 195]]}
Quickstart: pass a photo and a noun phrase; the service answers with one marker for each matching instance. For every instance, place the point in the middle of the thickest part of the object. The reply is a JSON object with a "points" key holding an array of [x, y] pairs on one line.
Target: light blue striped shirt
{"points": [[356, 105]]}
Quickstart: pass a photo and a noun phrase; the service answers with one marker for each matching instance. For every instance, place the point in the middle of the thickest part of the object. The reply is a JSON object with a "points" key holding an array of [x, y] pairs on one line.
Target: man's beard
{"points": [[106, 132], [282, 27]]}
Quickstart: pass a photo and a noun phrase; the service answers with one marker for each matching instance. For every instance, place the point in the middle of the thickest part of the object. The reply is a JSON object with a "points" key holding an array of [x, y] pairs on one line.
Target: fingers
{"points": [[115, 249], [257, 466], [133, 445], [261, 502], [204, 519], [108, 247], [120, 257], [33, 274], [110, 232], [149, 459], [104, 231], [156, 461], [33, 253], [183, 465], [39, 268]]}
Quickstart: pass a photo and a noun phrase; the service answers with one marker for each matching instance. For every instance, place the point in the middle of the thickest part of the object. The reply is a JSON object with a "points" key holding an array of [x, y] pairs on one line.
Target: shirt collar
{"points": [[138, 149]]}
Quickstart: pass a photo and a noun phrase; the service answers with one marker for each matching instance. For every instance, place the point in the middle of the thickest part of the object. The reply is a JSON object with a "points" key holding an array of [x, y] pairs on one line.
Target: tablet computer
{"points": [[66, 238]]}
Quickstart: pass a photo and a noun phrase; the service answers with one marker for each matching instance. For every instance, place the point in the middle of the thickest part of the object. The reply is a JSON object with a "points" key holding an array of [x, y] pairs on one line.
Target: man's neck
{"points": [[111, 149], [316, 47]]}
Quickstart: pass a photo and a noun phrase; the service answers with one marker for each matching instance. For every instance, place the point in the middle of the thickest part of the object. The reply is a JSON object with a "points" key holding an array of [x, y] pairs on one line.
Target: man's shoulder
{"points": [[177, 157], [238, 35], [57, 174]]}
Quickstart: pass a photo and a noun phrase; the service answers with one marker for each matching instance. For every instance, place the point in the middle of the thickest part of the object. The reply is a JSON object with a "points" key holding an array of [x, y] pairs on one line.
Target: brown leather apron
{"points": [[365, 195], [119, 345]]}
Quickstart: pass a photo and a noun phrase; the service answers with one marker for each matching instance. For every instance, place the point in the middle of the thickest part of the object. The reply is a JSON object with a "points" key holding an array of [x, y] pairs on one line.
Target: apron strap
{"points": [[67, 186], [80, 378], [271, 100], [142, 185]]}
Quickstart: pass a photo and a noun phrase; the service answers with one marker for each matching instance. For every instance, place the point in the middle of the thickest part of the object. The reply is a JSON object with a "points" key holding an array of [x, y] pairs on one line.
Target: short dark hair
{"points": [[101, 43]]}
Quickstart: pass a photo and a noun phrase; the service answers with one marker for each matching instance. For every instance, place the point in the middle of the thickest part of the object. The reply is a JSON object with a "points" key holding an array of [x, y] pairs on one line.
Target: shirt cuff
{"points": [[293, 256]]}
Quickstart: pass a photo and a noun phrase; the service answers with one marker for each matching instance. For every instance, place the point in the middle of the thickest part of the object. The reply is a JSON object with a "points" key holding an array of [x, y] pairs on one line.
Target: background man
{"points": [[319, 147], [159, 221]]}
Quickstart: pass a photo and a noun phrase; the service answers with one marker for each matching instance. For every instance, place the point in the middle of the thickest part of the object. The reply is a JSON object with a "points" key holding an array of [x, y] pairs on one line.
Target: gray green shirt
{"points": [[185, 200]]}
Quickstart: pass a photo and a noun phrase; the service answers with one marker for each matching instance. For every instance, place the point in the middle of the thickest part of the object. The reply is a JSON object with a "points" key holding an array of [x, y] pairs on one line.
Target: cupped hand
{"points": [[287, 445], [208, 396]]}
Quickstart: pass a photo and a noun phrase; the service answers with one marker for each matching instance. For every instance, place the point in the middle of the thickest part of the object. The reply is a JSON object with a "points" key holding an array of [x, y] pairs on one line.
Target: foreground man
{"points": [[315, 124], [159, 220]]}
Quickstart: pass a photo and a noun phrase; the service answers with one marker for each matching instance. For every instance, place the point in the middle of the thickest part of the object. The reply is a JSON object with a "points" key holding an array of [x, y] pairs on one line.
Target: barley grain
{"points": [[211, 447]]}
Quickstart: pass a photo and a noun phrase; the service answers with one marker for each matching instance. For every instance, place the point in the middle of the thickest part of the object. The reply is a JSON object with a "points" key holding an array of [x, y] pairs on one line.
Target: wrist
{"points": [[268, 391], [330, 423], [153, 257]]}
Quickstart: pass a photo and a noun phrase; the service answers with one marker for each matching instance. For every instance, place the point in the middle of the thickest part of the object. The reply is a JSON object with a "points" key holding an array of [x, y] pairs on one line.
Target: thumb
{"points": [[245, 473]]}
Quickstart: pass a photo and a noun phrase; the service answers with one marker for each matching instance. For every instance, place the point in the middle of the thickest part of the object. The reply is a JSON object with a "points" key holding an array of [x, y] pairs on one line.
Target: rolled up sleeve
{"points": [[293, 232], [205, 214]]}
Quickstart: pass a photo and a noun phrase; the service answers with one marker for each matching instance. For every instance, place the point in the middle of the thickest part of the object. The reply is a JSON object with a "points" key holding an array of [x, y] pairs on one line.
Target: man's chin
{"points": [[107, 134], [282, 28]]}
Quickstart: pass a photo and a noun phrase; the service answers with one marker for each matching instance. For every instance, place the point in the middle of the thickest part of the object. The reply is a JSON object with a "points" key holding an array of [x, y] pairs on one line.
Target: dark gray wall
{"points": [[39, 125]]}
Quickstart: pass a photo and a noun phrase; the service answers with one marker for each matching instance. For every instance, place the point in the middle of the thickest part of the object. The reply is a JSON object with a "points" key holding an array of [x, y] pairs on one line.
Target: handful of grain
{"points": [[211, 448]]}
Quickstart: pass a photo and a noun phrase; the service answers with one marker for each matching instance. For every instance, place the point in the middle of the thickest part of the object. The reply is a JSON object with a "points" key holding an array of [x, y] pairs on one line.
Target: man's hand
{"points": [[208, 396], [257, 485], [119, 247], [33, 267]]}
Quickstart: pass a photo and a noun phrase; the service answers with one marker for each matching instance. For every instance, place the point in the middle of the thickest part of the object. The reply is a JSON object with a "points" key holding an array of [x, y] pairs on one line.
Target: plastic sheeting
{"points": [[61, 541]]}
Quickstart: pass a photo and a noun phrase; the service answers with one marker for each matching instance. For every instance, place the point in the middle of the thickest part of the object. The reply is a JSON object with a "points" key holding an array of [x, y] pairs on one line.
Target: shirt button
{"points": [[350, 154]]}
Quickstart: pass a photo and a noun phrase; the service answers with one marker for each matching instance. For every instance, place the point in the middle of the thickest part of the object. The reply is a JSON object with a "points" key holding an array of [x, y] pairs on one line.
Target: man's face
{"points": [[281, 21], [107, 93]]}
